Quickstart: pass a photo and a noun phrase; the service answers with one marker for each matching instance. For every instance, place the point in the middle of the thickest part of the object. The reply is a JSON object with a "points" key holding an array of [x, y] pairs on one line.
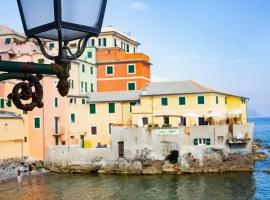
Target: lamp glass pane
{"points": [[67, 34], [37, 12], [82, 12]]}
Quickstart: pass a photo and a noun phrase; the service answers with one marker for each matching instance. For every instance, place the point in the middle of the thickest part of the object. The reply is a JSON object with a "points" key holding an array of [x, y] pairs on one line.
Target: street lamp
{"points": [[62, 21], [58, 20]]}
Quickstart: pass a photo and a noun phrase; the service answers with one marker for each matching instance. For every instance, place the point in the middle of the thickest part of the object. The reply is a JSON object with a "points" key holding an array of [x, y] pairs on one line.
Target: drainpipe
{"points": [[43, 130]]}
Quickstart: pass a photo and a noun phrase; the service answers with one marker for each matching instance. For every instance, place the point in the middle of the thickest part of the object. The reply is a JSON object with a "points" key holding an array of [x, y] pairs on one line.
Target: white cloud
{"points": [[138, 5], [242, 60]]}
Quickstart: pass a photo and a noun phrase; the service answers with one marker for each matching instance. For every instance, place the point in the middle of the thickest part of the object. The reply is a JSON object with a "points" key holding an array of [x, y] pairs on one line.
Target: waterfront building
{"points": [[162, 104], [121, 71]]}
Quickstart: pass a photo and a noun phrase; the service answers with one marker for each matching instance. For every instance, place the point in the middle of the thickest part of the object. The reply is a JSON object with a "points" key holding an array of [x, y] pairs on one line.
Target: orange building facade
{"points": [[121, 71]]}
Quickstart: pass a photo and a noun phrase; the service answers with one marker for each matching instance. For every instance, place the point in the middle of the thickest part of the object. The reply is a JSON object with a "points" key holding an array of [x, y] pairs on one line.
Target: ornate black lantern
{"points": [[58, 20], [62, 21]]}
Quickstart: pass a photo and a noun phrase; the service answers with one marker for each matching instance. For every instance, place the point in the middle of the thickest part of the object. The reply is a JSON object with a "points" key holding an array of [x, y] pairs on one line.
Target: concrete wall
{"points": [[75, 154]]}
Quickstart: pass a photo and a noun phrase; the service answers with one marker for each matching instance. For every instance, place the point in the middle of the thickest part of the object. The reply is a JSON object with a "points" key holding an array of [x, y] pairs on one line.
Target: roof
{"points": [[9, 115], [113, 29], [178, 87], [4, 30], [114, 96]]}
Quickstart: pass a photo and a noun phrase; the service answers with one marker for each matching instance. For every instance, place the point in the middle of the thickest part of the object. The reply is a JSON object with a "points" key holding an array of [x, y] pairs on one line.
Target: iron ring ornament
{"points": [[62, 21]]}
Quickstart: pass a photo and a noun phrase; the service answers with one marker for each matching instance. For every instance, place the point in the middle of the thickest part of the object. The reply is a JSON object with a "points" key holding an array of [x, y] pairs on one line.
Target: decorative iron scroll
{"points": [[30, 91]]}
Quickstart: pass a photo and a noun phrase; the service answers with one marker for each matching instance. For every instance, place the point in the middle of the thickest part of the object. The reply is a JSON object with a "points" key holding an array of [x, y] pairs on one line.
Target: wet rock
{"points": [[260, 156], [170, 168]]}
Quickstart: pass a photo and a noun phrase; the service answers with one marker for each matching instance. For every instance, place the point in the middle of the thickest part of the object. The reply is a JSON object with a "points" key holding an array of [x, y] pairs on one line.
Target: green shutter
{"points": [[164, 101], [83, 101], [131, 69], [200, 99], [131, 86], [208, 141], [226, 100], [89, 54], [51, 46], [8, 103], [56, 102], [37, 122], [41, 61], [8, 41], [92, 108], [91, 70], [2, 103], [111, 107], [83, 68], [216, 99], [104, 42], [93, 42], [182, 100], [195, 141], [109, 70], [72, 117]]}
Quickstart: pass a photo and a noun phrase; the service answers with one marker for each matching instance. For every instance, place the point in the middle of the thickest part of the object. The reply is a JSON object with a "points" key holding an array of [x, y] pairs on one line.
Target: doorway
{"points": [[121, 149]]}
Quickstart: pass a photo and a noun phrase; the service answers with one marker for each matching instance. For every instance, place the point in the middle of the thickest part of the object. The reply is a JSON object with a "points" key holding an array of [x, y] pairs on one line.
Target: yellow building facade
{"points": [[164, 104]]}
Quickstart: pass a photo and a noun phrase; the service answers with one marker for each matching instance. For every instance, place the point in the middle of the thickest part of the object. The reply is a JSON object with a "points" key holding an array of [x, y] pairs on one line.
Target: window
{"points": [[200, 99], [92, 108], [145, 120], [131, 86], [226, 99], [93, 130], [115, 42], [85, 86], [83, 68], [131, 69], [25, 139], [89, 54], [92, 87], [8, 103], [216, 99], [130, 106], [104, 42], [51, 46], [55, 102], [99, 42], [41, 61], [111, 107], [2, 103], [182, 100], [82, 86], [36, 122], [164, 101], [91, 70], [134, 50], [72, 118], [71, 83], [83, 101], [8, 41], [201, 141], [127, 48], [110, 128], [243, 100], [166, 120], [93, 42], [109, 70]]}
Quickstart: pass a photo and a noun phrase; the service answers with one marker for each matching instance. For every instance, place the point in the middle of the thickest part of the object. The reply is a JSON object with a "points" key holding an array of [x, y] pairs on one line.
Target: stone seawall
{"points": [[209, 164]]}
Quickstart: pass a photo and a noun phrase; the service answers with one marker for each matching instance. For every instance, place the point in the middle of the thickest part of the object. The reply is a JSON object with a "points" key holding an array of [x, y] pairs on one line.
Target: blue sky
{"points": [[224, 44]]}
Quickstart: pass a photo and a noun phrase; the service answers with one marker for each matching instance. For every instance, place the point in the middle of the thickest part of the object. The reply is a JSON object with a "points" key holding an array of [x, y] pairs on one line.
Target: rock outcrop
{"points": [[260, 156]]}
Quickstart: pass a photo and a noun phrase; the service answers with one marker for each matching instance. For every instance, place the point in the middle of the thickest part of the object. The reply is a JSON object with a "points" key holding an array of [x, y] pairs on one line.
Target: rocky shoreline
{"points": [[8, 167], [231, 163]]}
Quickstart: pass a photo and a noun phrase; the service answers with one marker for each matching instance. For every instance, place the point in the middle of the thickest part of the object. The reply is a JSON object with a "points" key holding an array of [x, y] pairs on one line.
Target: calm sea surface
{"points": [[254, 185]]}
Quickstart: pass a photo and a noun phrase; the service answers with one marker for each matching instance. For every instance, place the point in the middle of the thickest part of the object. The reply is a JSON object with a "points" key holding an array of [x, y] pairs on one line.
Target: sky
{"points": [[224, 44]]}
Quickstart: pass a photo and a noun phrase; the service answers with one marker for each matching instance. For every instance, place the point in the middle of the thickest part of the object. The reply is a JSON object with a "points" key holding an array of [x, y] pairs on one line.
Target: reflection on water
{"points": [[208, 186]]}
